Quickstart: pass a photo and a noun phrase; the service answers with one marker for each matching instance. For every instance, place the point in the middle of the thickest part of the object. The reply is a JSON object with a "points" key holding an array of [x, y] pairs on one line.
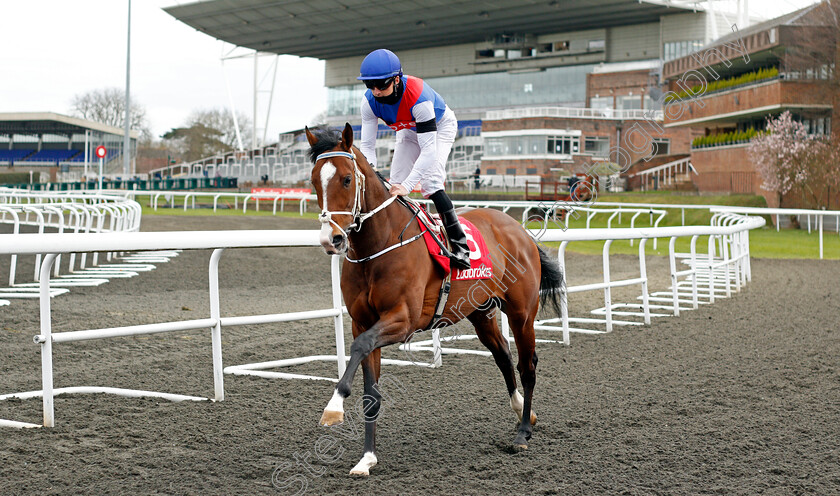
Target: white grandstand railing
{"points": [[665, 174], [573, 113]]}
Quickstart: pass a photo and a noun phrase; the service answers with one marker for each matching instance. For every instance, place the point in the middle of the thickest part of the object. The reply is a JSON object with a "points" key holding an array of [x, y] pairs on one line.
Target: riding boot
{"points": [[459, 250]]}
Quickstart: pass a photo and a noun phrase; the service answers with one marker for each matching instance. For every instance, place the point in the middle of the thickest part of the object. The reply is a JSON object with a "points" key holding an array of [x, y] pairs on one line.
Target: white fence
{"points": [[731, 233], [68, 212], [54, 244]]}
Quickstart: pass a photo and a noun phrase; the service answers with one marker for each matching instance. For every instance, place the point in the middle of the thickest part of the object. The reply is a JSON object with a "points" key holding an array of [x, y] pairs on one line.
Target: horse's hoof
{"points": [[520, 442], [330, 418], [365, 464]]}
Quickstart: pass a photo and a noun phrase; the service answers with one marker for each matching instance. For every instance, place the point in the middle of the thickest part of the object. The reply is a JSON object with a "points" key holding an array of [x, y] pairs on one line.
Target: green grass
{"points": [[764, 243], [265, 210]]}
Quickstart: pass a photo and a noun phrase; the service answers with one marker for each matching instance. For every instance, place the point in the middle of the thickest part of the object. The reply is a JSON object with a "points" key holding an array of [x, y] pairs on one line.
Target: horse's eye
{"points": [[347, 181]]}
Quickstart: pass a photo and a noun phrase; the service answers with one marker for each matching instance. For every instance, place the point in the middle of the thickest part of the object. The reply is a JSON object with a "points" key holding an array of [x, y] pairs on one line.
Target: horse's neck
{"points": [[380, 230]]}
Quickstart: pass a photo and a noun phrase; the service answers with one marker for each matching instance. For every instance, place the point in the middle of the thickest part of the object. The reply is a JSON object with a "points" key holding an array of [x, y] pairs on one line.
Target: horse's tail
{"points": [[551, 282]]}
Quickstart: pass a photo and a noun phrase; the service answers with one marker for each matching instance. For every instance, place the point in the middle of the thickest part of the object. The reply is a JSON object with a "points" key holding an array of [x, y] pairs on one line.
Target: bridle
{"points": [[358, 216]]}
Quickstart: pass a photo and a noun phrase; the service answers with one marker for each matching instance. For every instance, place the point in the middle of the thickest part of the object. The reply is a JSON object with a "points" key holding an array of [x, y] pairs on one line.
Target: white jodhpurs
{"points": [[407, 150]]}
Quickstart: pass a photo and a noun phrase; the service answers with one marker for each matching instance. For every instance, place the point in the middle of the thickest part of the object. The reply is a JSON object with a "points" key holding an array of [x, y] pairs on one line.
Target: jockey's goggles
{"points": [[380, 84]]}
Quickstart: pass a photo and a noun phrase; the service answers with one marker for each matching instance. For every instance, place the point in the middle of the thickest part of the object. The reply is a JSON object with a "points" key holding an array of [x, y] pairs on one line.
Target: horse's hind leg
{"points": [[487, 329], [522, 325]]}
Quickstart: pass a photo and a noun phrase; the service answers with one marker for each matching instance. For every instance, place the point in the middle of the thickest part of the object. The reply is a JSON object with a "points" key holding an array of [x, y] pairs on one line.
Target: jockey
{"points": [[425, 132]]}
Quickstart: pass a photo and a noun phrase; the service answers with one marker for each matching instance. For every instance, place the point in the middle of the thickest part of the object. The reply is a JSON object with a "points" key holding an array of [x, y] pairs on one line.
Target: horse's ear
{"points": [[310, 137], [347, 137]]}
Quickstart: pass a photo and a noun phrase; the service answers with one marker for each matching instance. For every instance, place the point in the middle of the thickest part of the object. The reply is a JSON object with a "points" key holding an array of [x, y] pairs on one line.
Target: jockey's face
{"points": [[378, 93]]}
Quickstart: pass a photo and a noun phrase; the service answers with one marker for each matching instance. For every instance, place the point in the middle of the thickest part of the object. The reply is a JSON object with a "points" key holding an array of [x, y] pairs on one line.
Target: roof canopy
{"points": [[35, 123], [328, 29]]}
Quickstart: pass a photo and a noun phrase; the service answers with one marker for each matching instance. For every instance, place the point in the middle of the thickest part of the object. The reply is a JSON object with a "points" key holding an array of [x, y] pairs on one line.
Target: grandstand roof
{"points": [[52, 123], [329, 29]]}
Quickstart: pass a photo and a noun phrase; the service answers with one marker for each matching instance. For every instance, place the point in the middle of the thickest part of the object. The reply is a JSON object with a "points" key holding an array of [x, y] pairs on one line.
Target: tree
{"points": [[207, 133], [107, 106], [221, 119], [319, 120], [792, 161]]}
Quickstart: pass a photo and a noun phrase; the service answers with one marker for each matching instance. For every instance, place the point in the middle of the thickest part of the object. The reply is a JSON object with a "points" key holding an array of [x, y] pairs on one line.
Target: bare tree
{"points": [[107, 106], [221, 119], [207, 133], [319, 120]]}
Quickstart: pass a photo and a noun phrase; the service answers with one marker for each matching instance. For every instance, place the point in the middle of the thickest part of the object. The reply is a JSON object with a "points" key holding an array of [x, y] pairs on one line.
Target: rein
{"points": [[358, 216]]}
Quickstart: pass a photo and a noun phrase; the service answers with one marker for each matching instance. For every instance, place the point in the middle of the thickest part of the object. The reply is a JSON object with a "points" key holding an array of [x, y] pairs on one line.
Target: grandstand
{"points": [[57, 147], [544, 86]]}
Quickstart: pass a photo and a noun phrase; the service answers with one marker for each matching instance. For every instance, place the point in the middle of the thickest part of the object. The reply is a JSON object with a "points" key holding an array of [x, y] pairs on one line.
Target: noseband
{"points": [[356, 213]]}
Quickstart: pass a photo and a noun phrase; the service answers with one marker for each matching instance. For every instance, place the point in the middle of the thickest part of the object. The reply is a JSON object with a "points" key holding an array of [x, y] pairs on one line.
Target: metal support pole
{"points": [[643, 275], [127, 130], [216, 330], [607, 291], [46, 345], [564, 297], [335, 272], [672, 259], [821, 235]]}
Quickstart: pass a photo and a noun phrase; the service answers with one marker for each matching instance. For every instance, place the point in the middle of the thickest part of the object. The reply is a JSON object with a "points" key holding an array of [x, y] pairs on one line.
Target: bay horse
{"points": [[391, 286]]}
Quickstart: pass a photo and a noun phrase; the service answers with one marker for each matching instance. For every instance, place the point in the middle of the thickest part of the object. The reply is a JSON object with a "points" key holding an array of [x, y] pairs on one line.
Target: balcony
{"points": [[745, 102], [572, 113]]}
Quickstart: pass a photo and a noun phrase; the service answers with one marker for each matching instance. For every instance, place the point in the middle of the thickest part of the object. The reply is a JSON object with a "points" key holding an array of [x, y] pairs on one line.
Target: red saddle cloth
{"points": [[480, 265]]}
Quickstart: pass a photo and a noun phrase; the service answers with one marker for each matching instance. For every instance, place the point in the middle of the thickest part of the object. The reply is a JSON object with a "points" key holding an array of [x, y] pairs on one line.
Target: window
{"points": [[676, 49], [561, 46], [602, 102], [598, 146], [629, 102], [662, 145], [484, 54], [491, 170], [545, 47], [510, 170], [596, 45], [495, 146], [563, 145], [530, 170], [528, 88]]}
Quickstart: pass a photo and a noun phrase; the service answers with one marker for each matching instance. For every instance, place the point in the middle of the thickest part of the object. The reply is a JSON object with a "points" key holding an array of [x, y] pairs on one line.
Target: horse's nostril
{"points": [[337, 240]]}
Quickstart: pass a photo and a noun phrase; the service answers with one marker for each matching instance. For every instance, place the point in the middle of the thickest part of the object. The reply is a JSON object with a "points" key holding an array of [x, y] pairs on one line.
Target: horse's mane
{"points": [[327, 140]]}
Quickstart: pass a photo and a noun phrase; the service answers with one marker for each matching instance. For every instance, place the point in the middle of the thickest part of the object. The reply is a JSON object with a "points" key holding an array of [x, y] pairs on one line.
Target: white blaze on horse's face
{"points": [[327, 173]]}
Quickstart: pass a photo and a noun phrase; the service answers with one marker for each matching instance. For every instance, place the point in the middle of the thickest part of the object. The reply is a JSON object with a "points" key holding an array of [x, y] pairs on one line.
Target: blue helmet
{"points": [[380, 64]]}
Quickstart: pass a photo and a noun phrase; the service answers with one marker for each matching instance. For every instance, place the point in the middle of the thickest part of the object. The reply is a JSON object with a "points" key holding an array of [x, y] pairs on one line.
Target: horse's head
{"points": [[339, 184]]}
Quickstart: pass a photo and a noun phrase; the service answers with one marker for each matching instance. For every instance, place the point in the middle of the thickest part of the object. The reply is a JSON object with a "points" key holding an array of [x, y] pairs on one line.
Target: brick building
{"points": [[737, 82], [551, 142], [537, 85]]}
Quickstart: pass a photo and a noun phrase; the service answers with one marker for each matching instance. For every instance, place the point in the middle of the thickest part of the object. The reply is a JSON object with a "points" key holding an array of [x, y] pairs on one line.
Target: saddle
{"points": [[437, 243]]}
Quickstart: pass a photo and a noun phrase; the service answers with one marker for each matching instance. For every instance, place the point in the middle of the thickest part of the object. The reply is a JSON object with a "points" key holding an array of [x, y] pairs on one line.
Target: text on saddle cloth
{"points": [[480, 265]]}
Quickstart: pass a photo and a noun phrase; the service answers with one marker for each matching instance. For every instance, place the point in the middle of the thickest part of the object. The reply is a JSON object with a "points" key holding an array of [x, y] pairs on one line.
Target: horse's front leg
{"points": [[371, 402], [381, 334]]}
